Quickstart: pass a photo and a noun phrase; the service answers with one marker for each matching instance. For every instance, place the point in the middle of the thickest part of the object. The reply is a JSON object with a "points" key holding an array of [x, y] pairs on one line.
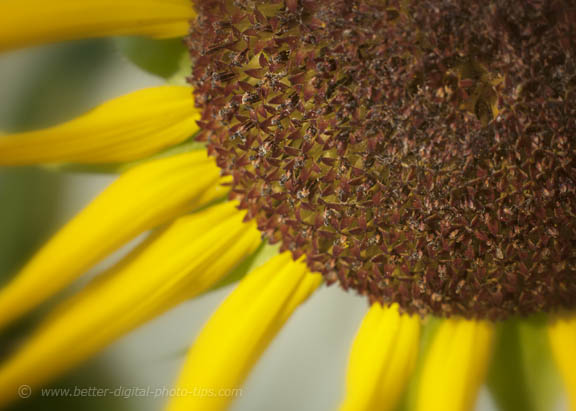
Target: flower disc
{"points": [[416, 152]]}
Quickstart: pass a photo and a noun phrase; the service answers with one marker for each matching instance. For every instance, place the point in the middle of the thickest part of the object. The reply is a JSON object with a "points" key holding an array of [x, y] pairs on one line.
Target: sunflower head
{"points": [[418, 153], [405, 148]]}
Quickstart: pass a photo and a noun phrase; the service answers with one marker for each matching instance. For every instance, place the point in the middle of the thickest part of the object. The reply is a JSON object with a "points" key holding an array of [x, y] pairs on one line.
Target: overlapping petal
{"points": [[239, 331], [382, 360], [124, 129], [144, 197], [29, 22], [182, 261], [562, 336], [456, 365]]}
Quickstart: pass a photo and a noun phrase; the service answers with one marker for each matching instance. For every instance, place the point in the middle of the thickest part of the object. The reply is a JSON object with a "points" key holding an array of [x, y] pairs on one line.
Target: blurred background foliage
{"points": [[56, 85]]}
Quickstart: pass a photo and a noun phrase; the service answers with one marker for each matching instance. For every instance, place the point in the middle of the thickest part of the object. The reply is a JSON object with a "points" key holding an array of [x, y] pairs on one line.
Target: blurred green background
{"points": [[52, 85]]}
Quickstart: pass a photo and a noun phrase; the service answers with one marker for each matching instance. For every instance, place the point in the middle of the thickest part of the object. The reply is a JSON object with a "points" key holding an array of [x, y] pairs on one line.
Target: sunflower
{"points": [[419, 154]]}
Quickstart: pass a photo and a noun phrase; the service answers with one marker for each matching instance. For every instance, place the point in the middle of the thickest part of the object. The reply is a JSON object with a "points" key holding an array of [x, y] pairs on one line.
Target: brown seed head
{"points": [[416, 152]]}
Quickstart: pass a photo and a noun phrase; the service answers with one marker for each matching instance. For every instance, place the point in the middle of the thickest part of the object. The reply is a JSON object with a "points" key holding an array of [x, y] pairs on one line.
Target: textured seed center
{"points": [[417, 152]]}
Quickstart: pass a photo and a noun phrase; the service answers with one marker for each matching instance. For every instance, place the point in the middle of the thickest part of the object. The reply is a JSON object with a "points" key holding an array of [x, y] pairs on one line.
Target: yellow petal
{"points": [[124, 129], [144, 197], [29, 22], [456, 365], [186, 259], [239, 331], [562, 335], [382, 360]]}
